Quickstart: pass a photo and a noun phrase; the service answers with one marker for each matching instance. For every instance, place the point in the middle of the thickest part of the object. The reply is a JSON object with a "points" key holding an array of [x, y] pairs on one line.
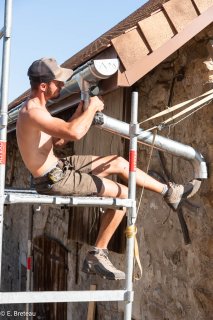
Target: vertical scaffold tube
{"points": [[131, 213], [3, 111]]}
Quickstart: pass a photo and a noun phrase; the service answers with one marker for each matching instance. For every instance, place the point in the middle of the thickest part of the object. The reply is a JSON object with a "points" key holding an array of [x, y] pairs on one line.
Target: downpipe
{"points": [[161, 143]]}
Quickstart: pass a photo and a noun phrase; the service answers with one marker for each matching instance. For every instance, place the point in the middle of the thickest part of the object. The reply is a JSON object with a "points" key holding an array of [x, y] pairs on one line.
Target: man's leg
{"points": [[173, 193], [105, 166], [97, 261], [111, 218]]}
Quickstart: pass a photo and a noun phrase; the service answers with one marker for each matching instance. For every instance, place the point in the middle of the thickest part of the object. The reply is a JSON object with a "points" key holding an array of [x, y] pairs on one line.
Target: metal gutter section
{"points": [[84, 79], [161, 143]]}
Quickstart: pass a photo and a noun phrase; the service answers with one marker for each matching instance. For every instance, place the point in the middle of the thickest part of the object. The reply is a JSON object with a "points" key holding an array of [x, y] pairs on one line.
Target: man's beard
{"points": [[49, 95], [56, 97]]}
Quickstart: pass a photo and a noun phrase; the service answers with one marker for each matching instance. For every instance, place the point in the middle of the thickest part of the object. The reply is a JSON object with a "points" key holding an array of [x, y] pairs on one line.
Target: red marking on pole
{"points": [[2, 152], [132, 161], [29, 260]]}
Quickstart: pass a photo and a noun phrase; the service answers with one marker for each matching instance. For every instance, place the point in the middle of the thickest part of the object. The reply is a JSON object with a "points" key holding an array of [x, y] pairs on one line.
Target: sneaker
{"points": [[97, 262], [176, 194]]}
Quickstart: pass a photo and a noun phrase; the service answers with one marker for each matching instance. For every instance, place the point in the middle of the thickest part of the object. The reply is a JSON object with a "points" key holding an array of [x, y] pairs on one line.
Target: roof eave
{"points": [[149, 62]]}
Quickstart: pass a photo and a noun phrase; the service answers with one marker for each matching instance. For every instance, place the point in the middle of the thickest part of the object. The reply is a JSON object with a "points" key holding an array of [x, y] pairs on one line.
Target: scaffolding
{"points": [[83, 78], [6, 35], [20, 196]]}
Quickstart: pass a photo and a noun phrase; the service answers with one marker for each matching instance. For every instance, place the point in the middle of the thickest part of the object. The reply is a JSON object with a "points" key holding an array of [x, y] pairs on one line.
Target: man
{"points": [[37, 133]]}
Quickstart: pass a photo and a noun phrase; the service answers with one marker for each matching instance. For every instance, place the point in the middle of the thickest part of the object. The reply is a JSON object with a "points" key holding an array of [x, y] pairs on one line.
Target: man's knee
{"points": [[122, 163]]}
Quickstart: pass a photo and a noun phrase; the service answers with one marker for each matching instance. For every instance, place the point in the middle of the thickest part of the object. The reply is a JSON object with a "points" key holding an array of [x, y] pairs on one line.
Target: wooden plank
{"points": [[130, 47], [50, 273], [203, 5], [91, 306], [156, 30], [117, 80], [180, 13]]}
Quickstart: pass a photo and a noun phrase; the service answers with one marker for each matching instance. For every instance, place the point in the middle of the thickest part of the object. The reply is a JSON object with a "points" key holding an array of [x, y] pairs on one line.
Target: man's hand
{"points": [[96, 103]]}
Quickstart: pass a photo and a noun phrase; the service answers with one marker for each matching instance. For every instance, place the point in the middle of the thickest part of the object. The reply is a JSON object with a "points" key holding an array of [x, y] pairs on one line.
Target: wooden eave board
{"points": [[203, 5], [130, 48], [149, 62], [156, 29], [180, 13]]}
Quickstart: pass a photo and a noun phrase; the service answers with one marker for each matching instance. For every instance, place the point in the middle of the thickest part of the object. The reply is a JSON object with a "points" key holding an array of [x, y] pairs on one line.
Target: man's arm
{"points": [[72, 130], [58, 142]]}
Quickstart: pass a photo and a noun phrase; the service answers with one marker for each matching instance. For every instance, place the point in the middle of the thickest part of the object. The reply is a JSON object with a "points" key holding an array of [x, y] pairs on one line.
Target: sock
{"points": [[165, 189]]}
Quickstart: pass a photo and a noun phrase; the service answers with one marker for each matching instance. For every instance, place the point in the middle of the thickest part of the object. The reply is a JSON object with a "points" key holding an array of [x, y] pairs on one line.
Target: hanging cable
{"points": [[175, 123], [202, 99], [203, 102]]}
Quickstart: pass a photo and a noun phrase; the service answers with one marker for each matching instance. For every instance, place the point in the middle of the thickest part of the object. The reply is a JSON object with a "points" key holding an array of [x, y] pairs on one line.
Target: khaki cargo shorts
{"points": [[71, 176]]}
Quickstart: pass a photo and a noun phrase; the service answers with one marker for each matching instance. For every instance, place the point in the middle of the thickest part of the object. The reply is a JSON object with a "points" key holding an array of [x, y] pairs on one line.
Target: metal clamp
{"points": [[57, 200], [3, 119], [129, 296], [134, 129]]}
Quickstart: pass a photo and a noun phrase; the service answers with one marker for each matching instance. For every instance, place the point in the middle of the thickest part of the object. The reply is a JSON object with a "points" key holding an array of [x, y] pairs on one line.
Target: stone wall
{"points": [[177, 278]]}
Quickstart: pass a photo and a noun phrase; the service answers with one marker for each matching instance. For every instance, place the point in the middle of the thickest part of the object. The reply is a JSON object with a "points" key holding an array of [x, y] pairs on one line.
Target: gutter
{"points": [[84, 80]]}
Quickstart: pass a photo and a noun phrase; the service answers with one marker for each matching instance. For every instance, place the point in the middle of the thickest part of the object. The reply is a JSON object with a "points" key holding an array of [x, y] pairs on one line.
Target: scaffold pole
{"points": [[3, 110], [131, 216]]}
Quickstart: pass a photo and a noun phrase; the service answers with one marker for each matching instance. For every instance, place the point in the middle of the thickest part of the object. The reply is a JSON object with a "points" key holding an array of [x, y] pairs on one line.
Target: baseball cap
{"points": [[47, 69]]}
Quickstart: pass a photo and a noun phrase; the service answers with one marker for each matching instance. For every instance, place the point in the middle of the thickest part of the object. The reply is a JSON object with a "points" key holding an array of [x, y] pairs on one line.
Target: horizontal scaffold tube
{"points": [[12, 196], [161, 143]]}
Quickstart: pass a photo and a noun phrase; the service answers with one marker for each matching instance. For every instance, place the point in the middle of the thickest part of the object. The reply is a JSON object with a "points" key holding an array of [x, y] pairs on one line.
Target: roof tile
{"points": [[156, 29], [180, 13], [203, 5], [132, 53]]}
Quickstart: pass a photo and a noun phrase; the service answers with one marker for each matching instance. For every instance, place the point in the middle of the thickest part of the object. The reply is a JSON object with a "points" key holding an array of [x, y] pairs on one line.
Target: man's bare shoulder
{"points": [[30, 105], [31, 110]]}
